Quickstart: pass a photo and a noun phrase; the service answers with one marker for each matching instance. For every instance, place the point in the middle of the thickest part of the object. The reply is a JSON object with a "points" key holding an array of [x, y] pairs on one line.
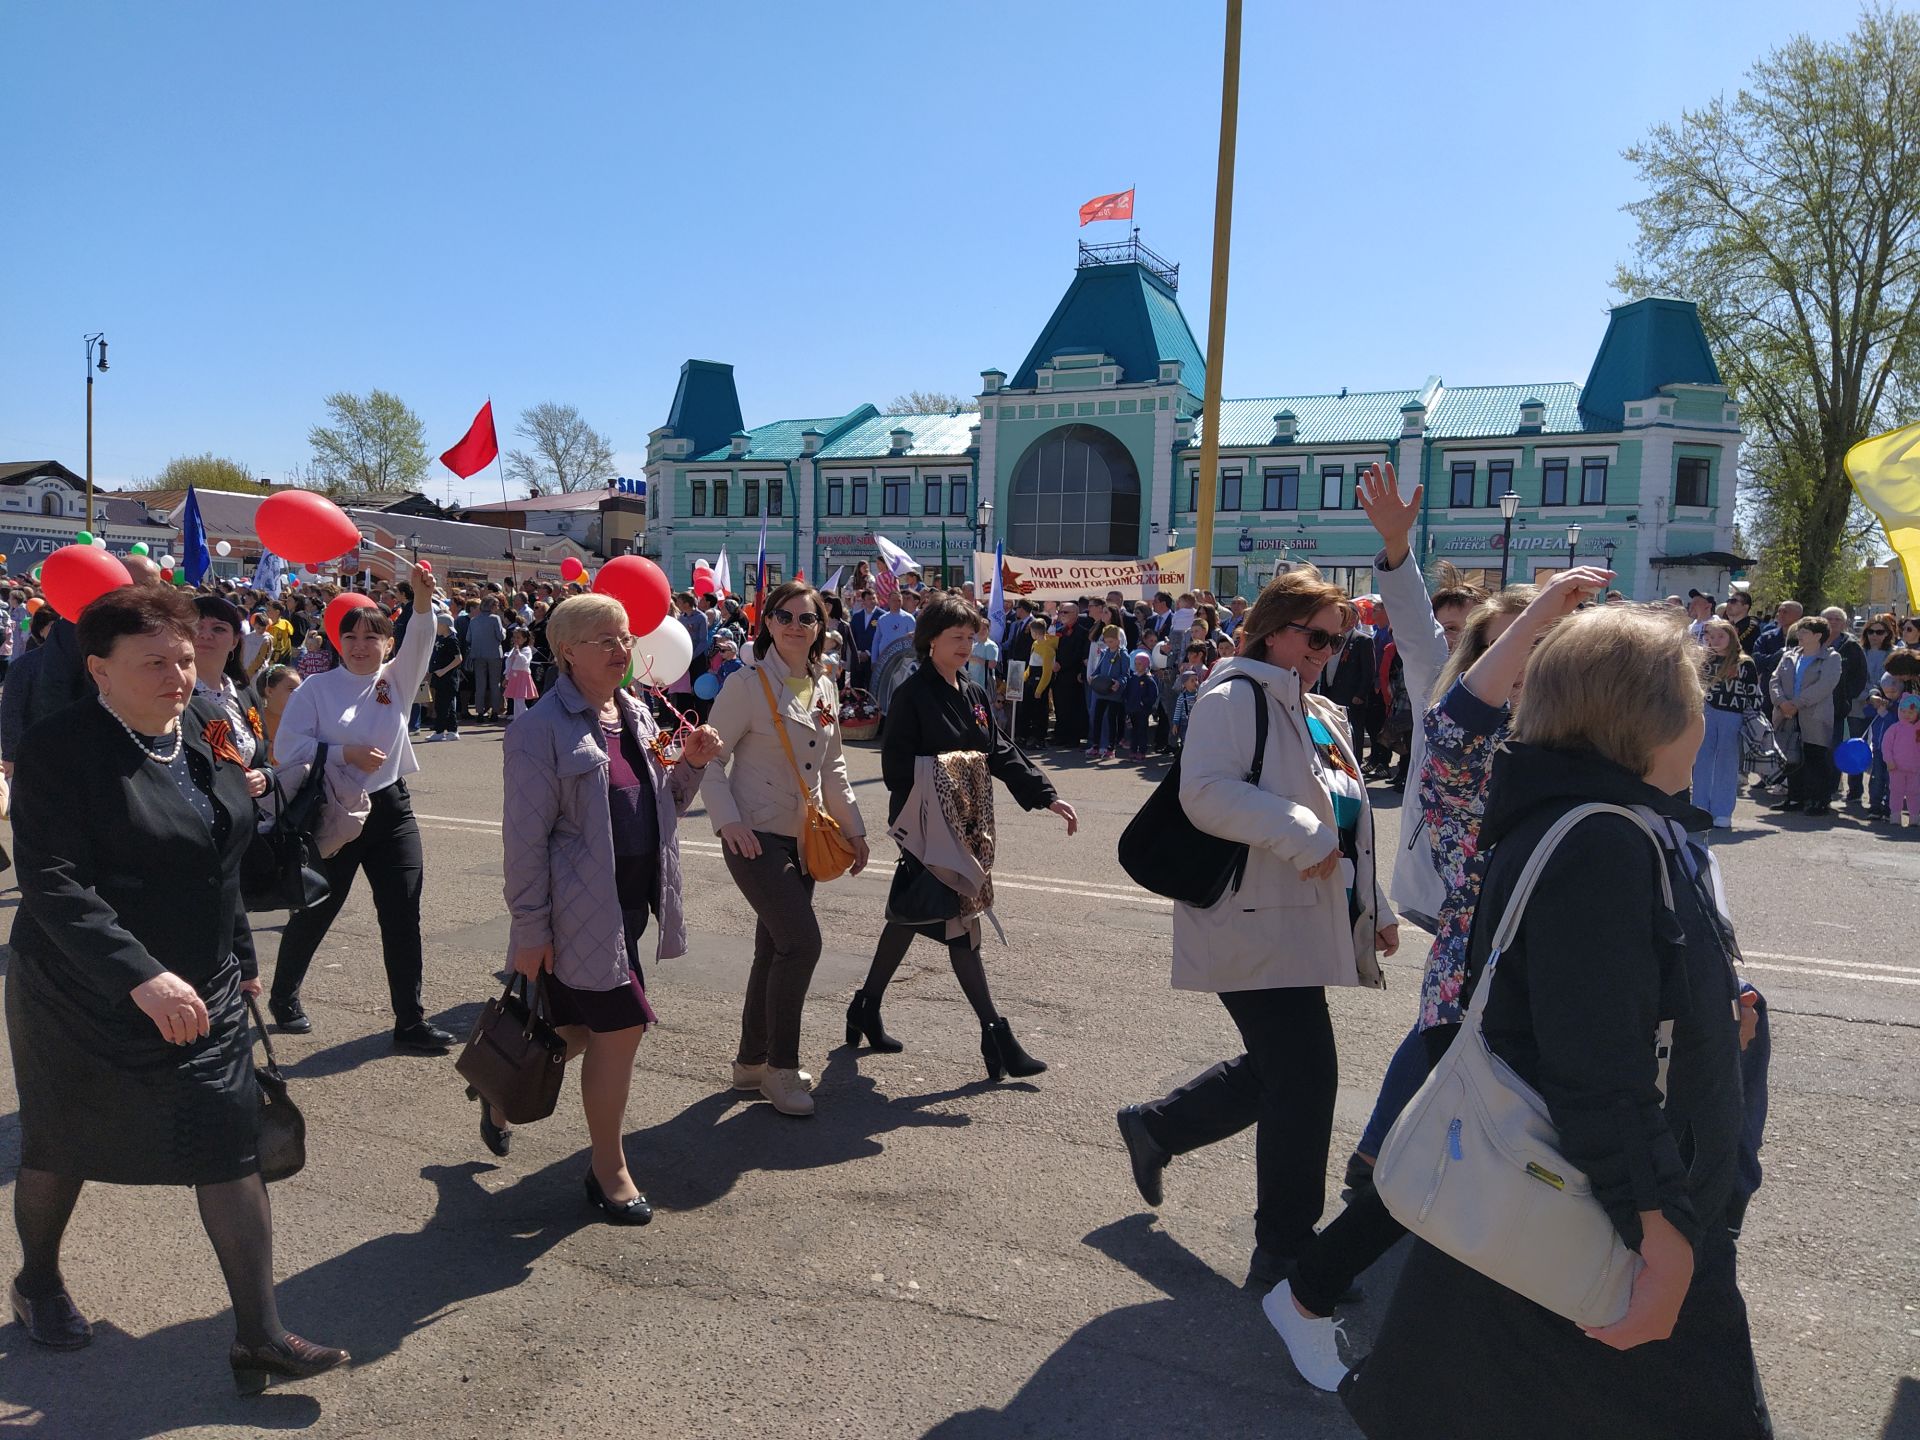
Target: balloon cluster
{"points": [[663, 651]]}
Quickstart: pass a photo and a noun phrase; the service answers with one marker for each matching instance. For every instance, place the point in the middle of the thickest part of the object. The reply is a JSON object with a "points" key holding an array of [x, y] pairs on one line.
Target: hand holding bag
{"points": [[1473, 1164], [282, 1145], [825, 851], [514, 1058], [277, 869]]}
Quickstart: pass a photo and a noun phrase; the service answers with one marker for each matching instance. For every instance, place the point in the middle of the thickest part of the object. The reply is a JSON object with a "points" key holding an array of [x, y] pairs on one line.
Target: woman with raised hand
{"points": [[590, 823], [358, 710]]}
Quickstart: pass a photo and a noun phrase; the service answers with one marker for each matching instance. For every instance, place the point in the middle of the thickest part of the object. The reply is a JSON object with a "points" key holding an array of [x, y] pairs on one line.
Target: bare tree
{"points": [[929, 402], [375, 445], [568, 454]]}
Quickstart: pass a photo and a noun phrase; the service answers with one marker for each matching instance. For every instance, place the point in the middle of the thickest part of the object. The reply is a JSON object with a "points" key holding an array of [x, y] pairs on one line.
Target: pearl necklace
{"points": [[147, 750]]}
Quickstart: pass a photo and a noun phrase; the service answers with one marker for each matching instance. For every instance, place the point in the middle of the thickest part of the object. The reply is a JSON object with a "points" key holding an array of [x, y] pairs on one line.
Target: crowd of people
{"points": [[165, 719]]}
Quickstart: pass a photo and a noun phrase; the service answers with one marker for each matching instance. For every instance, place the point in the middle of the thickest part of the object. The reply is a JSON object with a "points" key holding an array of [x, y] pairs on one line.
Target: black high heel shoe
{"points": [[497, 1140], [1003, 1053], [863, 1019], [257, 1366], [626, 1212]]}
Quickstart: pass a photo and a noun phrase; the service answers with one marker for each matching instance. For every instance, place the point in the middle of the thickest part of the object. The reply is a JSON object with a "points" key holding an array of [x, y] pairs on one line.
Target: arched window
{"points": [[49, 503], [1076, 492]]}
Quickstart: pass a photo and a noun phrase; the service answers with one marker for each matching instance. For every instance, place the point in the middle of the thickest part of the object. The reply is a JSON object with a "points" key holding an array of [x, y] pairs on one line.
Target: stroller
{"points": [[1762, 754]]}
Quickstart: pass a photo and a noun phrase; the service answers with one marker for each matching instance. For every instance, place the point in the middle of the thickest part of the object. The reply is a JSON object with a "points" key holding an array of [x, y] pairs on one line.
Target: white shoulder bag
{"points": [[1473, 1164]]}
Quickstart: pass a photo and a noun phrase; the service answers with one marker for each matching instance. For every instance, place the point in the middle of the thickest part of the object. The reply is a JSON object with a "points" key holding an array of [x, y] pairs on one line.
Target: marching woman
{"points": [[590, 824], [358, 710], [778, 720], [223, 680], [125, 1009], [938, 719]]}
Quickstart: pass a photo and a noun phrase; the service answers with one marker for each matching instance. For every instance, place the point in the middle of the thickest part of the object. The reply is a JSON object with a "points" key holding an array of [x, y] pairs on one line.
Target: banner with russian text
{"points": [[1054, 580]]}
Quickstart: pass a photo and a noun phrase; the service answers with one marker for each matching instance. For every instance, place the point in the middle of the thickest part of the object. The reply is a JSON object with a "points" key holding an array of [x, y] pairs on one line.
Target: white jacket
{"points": [[1422, 646], [1276, 930], [751, 779]]}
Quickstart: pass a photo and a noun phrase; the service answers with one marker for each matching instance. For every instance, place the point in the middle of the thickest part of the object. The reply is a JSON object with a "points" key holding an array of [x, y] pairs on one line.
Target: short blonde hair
{"points": [[1618, 680], [577, 617], [1113, 632]]}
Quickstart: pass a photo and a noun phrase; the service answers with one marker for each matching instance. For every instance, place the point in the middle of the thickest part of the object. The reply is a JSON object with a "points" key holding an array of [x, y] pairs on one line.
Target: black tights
{"points": [[238, 1220], [968, 967]]}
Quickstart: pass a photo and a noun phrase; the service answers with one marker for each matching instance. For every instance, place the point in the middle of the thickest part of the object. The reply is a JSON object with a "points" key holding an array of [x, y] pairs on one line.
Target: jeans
{"points": [[1406, 1073], [1877, 785], [1716, 769], [1284, 1084], [1108, 721], [786, 947]]}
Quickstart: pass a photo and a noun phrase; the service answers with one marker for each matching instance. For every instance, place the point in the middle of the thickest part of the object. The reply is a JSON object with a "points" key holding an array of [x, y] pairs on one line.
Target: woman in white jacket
{"points": [[1309, 912]]}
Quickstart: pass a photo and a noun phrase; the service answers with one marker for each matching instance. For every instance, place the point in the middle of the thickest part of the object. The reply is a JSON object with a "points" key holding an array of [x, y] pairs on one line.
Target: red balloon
{"points": [[166, 574], [75, 576], [638, 584], [304, 528], [336, 611], [571, 568]]}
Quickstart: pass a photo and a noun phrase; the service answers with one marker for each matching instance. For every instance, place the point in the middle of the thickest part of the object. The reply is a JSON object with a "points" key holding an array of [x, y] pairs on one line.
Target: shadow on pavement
{"points": [[352, 1054]]}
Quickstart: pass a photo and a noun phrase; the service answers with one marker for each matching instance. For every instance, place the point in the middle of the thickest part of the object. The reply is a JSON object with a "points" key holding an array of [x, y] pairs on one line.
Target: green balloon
{"points": [[139, 547], [83, 537], [180, 577], [36, 572]]}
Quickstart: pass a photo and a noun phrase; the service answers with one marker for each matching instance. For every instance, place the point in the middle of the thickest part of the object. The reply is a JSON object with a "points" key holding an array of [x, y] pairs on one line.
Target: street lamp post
{"points": [[1509, 505], [98, 341], [1608, 550], [1573, 544], [983, 521]]}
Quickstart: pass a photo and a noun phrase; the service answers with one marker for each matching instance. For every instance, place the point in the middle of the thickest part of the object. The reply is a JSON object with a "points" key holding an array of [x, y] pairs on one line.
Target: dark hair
{"points": [[779, 599], [135, 610], [212, 607], [275, 674], [1817, 625], [366, 617], [948, 612]]}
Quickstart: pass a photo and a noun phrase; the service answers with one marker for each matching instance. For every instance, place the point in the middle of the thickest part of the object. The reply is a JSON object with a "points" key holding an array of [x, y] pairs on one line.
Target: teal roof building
{"points": [[1091, 447]]}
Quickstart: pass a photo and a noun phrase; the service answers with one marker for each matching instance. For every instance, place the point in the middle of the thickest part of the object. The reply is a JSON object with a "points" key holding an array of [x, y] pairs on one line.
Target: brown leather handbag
{"points": [[514, 1059], [825, 851]]}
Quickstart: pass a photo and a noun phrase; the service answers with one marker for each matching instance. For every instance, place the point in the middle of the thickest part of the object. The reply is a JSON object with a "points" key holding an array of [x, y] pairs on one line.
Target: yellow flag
{"points": [[1885, 471]]}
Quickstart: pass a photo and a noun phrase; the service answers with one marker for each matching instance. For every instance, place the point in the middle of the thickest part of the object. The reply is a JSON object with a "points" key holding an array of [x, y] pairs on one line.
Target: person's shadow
{"points": [[1200, 1362]]}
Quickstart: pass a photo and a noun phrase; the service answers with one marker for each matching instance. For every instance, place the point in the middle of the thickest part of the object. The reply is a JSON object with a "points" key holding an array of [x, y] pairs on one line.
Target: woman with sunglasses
{"points": [[757, 806], [1910, 633]]}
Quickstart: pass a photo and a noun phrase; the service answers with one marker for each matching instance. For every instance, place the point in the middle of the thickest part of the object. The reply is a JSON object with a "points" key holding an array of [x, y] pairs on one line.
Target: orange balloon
{"points": [[34, 604]]}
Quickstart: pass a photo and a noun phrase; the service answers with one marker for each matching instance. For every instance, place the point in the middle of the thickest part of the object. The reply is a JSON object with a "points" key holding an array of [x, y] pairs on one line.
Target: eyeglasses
{"points": [[787, 617], [614, 644], [1318, 639]]}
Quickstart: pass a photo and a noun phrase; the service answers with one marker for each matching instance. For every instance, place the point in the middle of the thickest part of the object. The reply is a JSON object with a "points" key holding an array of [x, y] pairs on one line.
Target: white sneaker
{"points": [[1723, 822], [453, 735], [788, 1092], [1312, 1345], [752, 1077]]}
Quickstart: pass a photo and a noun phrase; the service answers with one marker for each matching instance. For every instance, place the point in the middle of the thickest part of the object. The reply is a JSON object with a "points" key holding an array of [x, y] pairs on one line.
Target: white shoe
{"points": [[752, 1077], [1313, 1345], [788, 1092], [431, 738], [453, 735], [1723, 822]]}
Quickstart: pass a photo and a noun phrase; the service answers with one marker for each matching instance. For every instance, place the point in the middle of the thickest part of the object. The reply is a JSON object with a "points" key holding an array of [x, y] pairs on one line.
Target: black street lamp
{"points": [[1609, 548], [95, 342], [1573, 544], [1509, 505], [983, 521]]}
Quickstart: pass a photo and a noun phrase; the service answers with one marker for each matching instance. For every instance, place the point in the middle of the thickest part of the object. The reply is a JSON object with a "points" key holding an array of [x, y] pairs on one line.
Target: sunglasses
{"points": [[1877, 630], [787, 617], [1318, 639]]}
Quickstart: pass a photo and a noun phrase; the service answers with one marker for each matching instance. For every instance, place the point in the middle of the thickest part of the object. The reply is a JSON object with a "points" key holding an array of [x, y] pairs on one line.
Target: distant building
{"points": [[608, 520], [43, 505]]}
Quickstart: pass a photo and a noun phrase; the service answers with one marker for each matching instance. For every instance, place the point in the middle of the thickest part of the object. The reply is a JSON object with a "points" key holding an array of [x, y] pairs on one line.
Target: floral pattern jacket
{"points": [[1462, 733]]}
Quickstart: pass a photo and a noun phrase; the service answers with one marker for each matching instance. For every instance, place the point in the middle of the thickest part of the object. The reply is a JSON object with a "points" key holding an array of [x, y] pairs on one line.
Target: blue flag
{"points": [[997, 596], [195, 557]]}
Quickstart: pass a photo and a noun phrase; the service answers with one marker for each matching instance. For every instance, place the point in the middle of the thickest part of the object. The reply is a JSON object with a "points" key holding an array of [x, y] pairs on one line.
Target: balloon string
{"points": [[668, 747]]}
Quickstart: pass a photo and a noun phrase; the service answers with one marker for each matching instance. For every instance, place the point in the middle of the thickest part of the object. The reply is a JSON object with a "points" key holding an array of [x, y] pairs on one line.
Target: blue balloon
{"points": [[1853, 757], [707, 686]]}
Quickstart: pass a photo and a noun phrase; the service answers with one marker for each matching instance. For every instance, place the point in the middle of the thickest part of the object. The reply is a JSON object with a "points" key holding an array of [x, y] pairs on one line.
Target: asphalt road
{"points": [[931, 1255]]}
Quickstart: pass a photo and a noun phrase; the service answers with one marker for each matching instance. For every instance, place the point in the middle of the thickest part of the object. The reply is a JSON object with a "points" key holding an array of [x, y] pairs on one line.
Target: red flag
{"points": [[1108, 207], [477, 448]]}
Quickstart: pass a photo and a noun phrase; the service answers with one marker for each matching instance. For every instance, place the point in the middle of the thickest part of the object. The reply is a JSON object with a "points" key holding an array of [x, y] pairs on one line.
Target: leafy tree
{"points": [[374, 445], [1791, 214], [568, 454], [930, 402], [203, 472]]}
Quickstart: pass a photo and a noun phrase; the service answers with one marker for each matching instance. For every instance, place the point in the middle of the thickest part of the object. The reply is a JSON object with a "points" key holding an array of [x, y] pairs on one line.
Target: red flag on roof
{"points": [[477, 448], [1108, 207]]}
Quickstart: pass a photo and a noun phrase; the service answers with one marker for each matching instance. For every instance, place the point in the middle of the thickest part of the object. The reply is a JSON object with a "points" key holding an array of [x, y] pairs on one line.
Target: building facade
{"points": [[43, 505], [1090, 448]]}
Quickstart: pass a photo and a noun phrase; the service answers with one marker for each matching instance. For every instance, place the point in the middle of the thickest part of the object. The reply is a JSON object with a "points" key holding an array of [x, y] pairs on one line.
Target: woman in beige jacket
{"points": [[1309, 912], [757, 807]]}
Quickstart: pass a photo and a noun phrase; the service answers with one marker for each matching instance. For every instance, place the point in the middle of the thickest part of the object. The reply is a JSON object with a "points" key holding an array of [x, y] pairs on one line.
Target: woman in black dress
{"points": [[935, 710], [221, 680], [125, 1008]]}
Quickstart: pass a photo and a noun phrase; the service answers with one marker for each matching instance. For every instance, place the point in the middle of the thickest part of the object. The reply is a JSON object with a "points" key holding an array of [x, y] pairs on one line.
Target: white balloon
{"points": [[99, 542], [167, 562], [664, 655], [224, 548]]}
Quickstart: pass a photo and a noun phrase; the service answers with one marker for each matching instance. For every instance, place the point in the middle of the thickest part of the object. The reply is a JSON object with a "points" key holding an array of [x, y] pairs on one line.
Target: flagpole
{"points": [[1201, 575], [513, 564]]}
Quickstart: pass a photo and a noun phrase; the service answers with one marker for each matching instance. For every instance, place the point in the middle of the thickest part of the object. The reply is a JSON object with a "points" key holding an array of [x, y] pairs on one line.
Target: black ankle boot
{"points": [[1003, 1053], [863, 1019]]}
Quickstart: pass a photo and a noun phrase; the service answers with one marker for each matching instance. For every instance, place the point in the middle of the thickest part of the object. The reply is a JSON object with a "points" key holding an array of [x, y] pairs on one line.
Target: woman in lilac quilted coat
{"points": [[591, 852]]}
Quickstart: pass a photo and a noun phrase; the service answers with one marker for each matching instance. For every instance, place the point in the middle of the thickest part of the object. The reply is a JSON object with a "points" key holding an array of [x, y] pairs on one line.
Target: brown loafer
{"points": [[54, 1321]]}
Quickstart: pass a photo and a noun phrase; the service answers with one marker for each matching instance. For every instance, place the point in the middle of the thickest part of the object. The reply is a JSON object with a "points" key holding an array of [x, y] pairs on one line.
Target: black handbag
{"points": [[282, 1144], [1166, 853], [919, 897], [514, 1059], [278, 868]]}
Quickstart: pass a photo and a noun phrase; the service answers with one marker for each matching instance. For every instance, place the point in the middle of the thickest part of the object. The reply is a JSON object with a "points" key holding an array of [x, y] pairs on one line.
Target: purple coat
{"points": [[558, 828]]}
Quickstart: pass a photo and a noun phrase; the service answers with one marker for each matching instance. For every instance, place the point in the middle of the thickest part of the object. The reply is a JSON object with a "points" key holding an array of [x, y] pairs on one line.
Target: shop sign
{"points": [[1547, 542], [1270, 543]]}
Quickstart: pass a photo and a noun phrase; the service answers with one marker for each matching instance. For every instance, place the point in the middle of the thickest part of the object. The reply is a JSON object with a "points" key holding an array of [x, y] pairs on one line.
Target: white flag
{"points": [[722, 575], [898, 560]]}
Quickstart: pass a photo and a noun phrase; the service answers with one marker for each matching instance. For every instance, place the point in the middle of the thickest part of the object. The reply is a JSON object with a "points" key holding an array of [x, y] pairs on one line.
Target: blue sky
{"points": [[261, 204]]}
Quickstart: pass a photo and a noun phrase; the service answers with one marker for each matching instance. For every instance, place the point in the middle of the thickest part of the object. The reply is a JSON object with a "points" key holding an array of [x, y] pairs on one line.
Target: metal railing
{"points": [[1130, 252]]}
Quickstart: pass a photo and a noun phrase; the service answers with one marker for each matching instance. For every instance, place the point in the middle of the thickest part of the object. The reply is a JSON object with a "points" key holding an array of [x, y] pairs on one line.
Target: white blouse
{"points": [[338, 708]]}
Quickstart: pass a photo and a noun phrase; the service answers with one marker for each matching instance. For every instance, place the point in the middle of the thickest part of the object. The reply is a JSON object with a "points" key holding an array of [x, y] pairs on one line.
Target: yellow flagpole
{"points": [[1202, 573]]}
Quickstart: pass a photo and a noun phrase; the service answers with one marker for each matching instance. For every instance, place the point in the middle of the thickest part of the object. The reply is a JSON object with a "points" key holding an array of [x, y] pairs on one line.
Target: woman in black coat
{"points": [[131, 1050], [1599, 963], [934, 710]]}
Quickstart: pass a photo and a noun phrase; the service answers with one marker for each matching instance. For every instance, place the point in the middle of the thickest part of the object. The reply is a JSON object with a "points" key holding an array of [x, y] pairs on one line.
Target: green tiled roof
{"points": [[1318, 419], [1124, 311], [932, 435], [1649, 343], [1466, 411], [780, 440], [706, 407]]}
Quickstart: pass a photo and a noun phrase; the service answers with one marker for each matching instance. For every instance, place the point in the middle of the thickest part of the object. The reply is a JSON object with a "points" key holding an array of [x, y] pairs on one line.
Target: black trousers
{"points": [[1069, 709], [388, 849], [1812, 783], [446, 704], [1284, 1084]]}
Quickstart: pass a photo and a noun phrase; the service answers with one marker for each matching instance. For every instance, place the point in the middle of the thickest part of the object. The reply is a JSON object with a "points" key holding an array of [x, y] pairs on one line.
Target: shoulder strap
{"points": [[780, 729], [1259, 726]]}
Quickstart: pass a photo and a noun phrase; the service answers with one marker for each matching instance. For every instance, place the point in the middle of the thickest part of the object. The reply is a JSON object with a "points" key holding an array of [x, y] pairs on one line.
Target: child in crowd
{"points": [[1032, 723], [1183, 706], [275, 690], [1900, 677], [830, 657], [314, 659], [1900, 747], [1139, 697], [726, 659], [1196, 665], [519, 672], [1106, 674]]}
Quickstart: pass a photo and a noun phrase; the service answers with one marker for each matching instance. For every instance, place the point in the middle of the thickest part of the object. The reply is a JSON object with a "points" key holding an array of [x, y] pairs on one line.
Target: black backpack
{"points": [[1166, 853]]}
